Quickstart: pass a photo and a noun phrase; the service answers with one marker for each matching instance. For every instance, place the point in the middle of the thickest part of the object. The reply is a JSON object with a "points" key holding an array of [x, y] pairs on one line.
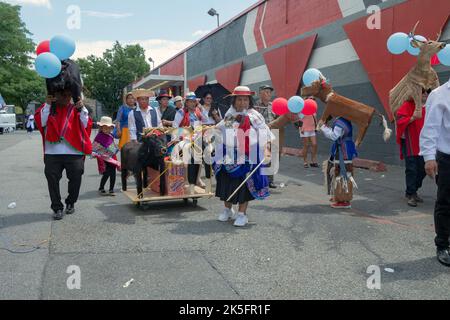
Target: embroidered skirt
{"points": [[226, 185]]}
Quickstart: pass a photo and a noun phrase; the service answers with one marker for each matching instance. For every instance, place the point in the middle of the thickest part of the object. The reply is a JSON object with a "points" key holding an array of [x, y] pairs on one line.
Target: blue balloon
{"points": [[444, 56], [62, 46], [398, 43], [296, 104], [48, 65], [311, 75], [415, 51]]}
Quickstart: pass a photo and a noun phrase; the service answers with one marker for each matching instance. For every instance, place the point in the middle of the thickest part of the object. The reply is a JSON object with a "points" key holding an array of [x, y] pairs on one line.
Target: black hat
{"points": [[265, 87], [163, 94]]}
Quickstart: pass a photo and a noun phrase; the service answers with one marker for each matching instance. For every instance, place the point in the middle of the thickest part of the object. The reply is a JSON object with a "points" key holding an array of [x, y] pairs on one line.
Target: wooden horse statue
{"points": [[339, 106]]}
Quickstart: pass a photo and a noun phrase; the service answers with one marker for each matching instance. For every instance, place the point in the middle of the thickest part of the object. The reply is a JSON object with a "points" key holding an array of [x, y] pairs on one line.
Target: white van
{"points": [[7, 119]]}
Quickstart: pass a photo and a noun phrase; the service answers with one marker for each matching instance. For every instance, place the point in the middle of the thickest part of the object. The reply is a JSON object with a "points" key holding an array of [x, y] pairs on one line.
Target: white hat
{"points": [[106, 121], [177, 98], [242, 91]]}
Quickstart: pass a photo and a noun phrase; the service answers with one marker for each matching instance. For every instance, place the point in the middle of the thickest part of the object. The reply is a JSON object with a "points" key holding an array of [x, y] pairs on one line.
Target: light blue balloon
{"points": [[398, 43], [62, 46], [48, 65], [415, 51], [444, 56], [296, 104], [310, 76]]}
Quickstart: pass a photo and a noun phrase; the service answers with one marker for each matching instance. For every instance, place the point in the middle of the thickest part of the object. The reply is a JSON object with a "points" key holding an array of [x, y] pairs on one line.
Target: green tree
{"points": [[19, 84], [104, 78]]}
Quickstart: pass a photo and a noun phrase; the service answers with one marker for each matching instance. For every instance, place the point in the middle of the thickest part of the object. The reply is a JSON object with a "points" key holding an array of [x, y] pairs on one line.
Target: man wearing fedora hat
{"points": [[143, 116], [178, 100], [264, 107], [66, 137], [166, 112]]}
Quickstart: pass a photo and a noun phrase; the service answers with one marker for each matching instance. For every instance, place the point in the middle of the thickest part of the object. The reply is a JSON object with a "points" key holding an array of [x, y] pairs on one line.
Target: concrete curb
{"points": [[375, 166]]}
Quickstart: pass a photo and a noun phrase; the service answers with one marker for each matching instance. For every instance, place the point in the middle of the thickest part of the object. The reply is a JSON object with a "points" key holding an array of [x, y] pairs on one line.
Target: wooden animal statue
{"points": [[137, 157], [339, 106], [421, 78], [68, 79]]}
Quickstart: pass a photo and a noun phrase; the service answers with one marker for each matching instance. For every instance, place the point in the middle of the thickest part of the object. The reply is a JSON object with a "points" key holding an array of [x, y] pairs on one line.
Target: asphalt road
{"points": [[296, 246]]}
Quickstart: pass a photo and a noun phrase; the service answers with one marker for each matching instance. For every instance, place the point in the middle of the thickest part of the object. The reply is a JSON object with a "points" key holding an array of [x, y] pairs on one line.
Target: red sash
{"points": [[66, 126], [186, 122]]}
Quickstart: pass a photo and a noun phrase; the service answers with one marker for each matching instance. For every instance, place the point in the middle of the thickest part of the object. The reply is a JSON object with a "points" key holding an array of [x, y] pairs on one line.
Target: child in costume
{"points": [[105, 150], [339, 168]]}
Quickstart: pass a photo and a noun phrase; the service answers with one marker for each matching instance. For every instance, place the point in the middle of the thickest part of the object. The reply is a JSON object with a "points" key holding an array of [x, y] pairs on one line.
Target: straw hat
{"points": [[242, 91], [142, 93], [106, 121]]}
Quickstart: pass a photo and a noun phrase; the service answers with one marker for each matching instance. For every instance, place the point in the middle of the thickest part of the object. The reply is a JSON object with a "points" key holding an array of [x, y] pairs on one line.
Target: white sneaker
{"points": [[226, 215], [241, 221]]}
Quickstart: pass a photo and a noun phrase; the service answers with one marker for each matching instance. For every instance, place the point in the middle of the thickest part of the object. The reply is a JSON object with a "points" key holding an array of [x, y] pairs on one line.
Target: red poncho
{"points": [[410, 130], [66, 126]]}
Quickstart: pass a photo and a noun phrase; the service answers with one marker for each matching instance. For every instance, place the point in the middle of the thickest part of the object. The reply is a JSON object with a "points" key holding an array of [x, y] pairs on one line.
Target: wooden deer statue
{"points": [[422, 78], [339, 106]]}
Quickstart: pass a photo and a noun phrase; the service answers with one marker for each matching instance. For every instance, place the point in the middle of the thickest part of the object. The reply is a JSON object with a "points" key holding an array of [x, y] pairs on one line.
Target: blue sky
{"points": [[163, 28]]}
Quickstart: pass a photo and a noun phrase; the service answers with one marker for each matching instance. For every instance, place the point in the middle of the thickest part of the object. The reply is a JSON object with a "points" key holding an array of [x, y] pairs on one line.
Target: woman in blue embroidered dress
{"points": [[245, 129]]}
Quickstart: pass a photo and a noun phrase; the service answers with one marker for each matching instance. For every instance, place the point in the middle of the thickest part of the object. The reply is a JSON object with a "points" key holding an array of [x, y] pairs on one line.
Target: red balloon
{"points": [[280, 106], [310, 107], [435, 60], [43, 47]]}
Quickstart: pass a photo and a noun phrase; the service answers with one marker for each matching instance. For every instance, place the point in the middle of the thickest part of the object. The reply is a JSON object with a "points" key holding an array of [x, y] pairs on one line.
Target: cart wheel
{"points": [[195, 202], [186, 201]]}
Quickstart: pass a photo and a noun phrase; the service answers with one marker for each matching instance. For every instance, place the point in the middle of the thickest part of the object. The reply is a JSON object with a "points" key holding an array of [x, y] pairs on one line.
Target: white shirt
{"points": [[435, 134], [147, 116], [62, 148], [206, 118], [179, 118], [332, 134]]}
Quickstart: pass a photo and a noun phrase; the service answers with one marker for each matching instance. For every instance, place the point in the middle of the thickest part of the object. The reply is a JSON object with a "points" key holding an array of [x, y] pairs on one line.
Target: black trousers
{"points": [[110, 173], [415, 172], [442, 209], [54, 167]]}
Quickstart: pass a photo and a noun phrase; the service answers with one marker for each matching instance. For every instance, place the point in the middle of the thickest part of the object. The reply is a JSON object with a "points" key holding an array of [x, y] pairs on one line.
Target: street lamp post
{"points": [[213, 13], [152, 62]]}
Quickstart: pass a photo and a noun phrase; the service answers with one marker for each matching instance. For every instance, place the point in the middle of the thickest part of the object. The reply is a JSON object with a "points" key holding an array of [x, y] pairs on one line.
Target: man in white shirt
{"points": [[435, 148], [143, 116], [66, 135]]}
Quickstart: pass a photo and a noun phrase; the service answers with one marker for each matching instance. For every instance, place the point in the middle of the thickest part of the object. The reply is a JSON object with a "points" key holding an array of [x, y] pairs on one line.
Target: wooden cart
{"points": [[151, 196]]}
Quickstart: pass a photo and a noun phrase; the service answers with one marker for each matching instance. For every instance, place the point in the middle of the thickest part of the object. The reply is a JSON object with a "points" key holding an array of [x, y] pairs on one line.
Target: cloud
{"points": [[99, 14], [201, 33], [38, 3], [159, 50]]}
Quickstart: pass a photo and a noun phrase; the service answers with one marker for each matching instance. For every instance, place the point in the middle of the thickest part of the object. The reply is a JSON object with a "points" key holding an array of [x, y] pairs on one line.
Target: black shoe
{"points": [[418, 199], [412, 202], [58, 215], [70, 209], [272, 185], [443, 257]]}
